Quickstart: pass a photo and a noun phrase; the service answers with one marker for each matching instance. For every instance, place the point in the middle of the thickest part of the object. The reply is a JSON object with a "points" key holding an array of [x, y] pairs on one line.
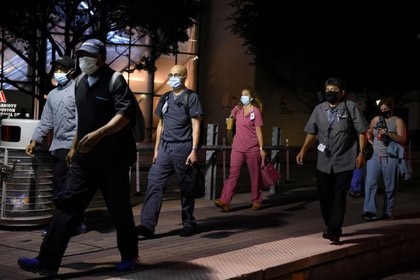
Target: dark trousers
{"points": [[332, 190], [171, 158], [83, 181], [60, 170]]}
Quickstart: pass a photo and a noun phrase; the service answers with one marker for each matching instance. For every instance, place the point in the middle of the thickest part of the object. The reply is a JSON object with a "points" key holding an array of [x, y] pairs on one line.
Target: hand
{"points": [[360, 160], [155, 156], [382, 131], [70, 156], [30, 148], [192, 158], [299, 158], [263, 154], [89, 141]]}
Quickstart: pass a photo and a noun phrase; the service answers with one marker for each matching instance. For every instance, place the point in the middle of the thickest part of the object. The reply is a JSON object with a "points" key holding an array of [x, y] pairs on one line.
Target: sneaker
{"points": [[256, 206], [387, 217], [44, 233], [127, 265], [144, 231], [368, 216], [34, 265], [187, 231], [219, 203]]}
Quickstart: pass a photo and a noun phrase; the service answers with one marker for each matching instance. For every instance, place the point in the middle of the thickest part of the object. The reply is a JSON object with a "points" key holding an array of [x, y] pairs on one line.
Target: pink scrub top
{"points": [[245, 139]]}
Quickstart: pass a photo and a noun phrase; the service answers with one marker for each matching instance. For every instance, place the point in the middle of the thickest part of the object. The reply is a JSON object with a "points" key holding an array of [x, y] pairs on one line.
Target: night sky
{"points": [[372, 45]]}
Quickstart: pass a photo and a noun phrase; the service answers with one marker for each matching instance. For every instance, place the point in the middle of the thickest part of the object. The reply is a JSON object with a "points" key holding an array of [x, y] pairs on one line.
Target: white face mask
{"points": [[88, 65], [245, 99], [175, 82], [61, 78]]}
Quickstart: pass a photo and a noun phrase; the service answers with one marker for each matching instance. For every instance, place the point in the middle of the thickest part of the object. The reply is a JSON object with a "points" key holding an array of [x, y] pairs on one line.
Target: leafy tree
{"points": [[29, 26], [244, 23], [373, 45]]}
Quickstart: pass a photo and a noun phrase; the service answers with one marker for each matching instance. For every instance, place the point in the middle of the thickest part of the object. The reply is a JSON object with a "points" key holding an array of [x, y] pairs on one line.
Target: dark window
{"points": [[10, 133]]}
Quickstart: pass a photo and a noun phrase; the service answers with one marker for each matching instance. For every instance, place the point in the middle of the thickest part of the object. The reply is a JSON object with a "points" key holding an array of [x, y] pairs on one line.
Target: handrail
{"points": [[211, 162]]}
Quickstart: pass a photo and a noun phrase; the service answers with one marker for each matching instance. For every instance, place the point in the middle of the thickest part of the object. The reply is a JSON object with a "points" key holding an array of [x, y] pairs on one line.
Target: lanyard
{"points": [[332, 115]]}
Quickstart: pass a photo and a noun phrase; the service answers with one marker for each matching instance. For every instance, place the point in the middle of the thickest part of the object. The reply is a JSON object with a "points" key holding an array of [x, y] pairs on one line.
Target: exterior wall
{"points": [[224, 67], [288, 109]]}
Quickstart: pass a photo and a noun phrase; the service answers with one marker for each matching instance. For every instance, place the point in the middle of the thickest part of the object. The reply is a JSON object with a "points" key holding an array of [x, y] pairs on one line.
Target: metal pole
{"points": [[275, 141], [410, 167], [224, 159], [211, 162], [287, 161], [138, 173]]}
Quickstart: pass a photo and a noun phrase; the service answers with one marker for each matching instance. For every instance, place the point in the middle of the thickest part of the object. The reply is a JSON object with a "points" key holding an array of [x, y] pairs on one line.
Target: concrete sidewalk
{"points": [[281, 241], [364, 250]]}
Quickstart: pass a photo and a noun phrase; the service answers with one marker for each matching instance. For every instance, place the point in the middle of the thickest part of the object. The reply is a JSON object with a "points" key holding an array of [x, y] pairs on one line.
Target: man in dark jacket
{"points": [[102, 153]]}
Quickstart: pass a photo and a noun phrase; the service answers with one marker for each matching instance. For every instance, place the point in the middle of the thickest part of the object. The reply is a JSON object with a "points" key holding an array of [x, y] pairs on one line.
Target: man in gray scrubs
{"points": [[177, 139], [337, 124]]}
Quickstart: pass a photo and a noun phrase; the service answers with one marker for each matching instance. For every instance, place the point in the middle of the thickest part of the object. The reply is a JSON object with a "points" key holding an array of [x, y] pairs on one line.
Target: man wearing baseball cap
{"points": [[102, 153], [59, 115]]}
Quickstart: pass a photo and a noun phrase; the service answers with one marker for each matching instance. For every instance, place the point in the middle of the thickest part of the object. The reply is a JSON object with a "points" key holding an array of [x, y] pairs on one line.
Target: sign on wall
{"points": [[15, 104]]}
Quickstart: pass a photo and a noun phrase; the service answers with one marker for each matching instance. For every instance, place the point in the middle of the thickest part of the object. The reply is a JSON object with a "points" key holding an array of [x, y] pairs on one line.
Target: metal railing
{"points": [[213, 152]]}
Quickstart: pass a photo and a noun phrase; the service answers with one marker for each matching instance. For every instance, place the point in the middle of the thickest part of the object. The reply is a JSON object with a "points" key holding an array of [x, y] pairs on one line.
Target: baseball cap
{"points": [[64, 61], [92, 46]]}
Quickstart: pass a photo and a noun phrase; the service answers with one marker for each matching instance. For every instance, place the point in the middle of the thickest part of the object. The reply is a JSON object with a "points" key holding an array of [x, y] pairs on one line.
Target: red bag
{"points": [[269, 173]]}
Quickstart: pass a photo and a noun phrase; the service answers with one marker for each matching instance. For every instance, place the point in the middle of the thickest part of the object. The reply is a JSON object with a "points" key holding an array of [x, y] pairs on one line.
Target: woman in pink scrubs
{"points": [[247, 147]]}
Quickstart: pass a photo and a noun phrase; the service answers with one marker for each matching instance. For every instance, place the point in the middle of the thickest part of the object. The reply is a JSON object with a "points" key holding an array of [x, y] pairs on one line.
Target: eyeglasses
{"points": [[175, 75]]}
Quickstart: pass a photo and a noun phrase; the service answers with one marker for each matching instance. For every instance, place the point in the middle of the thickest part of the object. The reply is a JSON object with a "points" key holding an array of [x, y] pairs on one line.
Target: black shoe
{"points": [[368, 216], [80, 229], [356, 194], [387, 217], [143, 231], [334, 238], [34, 265], [127, 265], [187, 231]]}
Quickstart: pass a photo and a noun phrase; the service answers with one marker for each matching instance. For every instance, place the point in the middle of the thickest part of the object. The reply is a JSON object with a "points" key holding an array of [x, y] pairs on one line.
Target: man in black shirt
{"points": [[102, 153]]}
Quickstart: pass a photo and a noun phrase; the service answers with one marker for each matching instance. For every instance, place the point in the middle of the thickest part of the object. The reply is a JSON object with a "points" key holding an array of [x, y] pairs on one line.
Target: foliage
{"points": [[244, 23], [373, 45], [165, 22]]}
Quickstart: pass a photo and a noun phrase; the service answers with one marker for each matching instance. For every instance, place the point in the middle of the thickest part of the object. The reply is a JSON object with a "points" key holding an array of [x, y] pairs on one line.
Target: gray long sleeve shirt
{"points": [[59, 114]]}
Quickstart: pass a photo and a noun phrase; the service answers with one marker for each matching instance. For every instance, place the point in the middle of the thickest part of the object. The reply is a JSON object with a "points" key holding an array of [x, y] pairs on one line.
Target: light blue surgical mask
{"points": [[88, 65], [61, 78], [245, 99], [175, 82]]}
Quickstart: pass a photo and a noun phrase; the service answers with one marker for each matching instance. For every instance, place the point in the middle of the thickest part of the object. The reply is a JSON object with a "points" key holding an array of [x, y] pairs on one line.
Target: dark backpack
{"points": [[202, 139], [138, 126]]}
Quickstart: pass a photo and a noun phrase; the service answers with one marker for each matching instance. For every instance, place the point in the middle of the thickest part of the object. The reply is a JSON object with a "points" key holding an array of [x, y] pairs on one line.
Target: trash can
{"points": [[26, 182]]}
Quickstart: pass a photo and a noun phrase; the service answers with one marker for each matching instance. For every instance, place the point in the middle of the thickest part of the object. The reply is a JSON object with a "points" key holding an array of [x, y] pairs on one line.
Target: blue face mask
{"points": [[245, 100], [175, 82], [61, 78]]}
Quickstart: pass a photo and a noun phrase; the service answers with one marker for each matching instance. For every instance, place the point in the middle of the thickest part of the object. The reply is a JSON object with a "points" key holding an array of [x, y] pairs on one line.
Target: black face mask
{"points": [[386, 114], [331, 96]]}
